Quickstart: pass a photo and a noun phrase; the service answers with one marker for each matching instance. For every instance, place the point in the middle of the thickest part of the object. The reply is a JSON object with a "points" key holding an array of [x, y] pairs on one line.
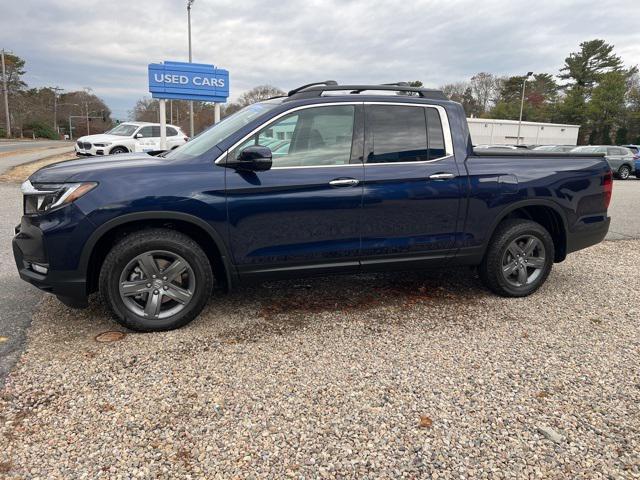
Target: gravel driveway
{"points": [[372, 376]]}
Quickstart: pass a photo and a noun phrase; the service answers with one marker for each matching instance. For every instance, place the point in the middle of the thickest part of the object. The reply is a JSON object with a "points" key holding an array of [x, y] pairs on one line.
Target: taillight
{"points": [[607, 183]]}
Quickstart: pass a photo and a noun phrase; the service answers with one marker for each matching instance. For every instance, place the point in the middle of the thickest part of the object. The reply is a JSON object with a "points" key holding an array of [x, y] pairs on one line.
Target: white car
{"points": [[130, 137]]}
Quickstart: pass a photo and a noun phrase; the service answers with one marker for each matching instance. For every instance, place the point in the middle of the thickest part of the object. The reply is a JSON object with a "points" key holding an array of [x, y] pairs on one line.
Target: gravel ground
{"points": [[420, 375]]}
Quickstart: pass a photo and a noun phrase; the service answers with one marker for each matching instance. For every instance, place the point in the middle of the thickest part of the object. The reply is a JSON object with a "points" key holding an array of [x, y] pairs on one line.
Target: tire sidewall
{"points": [[541, 234], [117, 150], [117, 260]]}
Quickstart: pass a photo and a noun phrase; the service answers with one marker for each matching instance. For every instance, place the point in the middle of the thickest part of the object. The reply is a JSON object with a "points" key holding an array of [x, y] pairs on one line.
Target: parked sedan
{"points": [[620, 159]]}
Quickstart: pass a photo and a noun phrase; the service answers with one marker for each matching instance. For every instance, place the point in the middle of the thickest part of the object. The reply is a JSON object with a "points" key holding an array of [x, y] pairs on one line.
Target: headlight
{"points": [[102, 144], [43, 197]]}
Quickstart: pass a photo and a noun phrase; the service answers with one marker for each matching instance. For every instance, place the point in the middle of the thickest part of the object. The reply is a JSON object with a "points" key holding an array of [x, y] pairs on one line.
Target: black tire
{"points": [[120, 258], [624, 172], [491, 267], [116, 150]]}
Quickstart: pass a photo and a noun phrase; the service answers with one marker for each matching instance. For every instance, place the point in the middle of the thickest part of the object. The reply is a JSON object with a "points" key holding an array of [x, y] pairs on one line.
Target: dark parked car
{"points": [[369, 182]]}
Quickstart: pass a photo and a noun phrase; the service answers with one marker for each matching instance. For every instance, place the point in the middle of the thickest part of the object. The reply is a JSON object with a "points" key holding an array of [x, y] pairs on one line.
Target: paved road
{"points": [[9, 161], [15, 145], [17, 298], [625, 210]]}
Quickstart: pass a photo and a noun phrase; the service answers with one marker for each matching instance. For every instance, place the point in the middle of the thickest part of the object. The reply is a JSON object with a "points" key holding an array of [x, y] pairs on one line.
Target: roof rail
{"points": [[318, 88], [326, 82]]}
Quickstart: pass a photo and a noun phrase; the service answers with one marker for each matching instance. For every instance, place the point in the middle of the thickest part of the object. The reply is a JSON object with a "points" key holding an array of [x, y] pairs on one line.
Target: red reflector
{"points": [[607, 183]]}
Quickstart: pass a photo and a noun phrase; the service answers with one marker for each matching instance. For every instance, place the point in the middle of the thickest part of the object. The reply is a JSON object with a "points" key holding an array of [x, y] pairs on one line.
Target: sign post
{"points": [[163, 124], [187, 81]]}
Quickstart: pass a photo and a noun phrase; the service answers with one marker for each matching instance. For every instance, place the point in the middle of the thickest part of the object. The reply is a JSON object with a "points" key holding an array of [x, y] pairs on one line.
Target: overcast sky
{"points": [[107, 44]]}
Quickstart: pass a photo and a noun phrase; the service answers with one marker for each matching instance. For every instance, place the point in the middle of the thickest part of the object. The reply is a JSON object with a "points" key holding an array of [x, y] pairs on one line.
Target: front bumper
{"points": [[89, 152], [34, 266]]}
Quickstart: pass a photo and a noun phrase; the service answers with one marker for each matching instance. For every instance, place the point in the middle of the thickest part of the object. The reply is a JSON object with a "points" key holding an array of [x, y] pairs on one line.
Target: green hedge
{"points": [[42, 130]]}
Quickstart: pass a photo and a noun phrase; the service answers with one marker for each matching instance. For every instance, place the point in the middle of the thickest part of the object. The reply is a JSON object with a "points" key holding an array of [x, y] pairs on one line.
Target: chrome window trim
{"points": [[444, 123]]}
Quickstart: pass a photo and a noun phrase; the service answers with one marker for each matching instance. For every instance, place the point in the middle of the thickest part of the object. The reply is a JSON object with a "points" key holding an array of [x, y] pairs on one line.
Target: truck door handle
{"points": [[344, 182], [442, 176]]}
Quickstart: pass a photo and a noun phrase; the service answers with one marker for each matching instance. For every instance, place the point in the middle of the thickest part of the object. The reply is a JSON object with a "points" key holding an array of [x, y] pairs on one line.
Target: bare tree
{"points": [[256, 94], [455, 91], [485, 88]]}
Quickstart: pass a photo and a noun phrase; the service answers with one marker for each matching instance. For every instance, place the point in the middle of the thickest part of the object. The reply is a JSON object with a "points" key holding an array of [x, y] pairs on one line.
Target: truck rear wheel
{"points": [[156, 280], [519, 258]]}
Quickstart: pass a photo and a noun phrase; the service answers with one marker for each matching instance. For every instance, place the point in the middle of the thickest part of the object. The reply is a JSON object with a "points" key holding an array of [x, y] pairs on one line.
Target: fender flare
{"points": [[106, 227], [525, 203]]}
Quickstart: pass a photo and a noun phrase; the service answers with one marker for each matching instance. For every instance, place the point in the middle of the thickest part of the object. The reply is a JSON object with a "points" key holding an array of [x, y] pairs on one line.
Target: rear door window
{"points": [[396, 134], [435, 134], [171, 132], [404, 134]]}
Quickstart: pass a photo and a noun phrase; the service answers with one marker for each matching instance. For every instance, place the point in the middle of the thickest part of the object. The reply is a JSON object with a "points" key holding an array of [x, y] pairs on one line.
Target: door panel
{"points": [[304, 213], [412, 197]]}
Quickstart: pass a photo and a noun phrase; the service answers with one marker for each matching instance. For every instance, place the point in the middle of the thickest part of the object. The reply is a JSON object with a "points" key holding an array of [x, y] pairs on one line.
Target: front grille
{"points": [[84, 145]]}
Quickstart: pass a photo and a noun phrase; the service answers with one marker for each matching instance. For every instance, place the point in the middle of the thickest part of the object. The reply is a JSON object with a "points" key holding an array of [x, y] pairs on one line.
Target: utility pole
{"points": [[189, 3], [55, 108], [5, 91], [524, 84], [86, 116]]}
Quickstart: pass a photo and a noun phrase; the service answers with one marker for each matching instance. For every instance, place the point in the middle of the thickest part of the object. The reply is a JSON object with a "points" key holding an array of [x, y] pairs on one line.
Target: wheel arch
{"points": [[119, 146], [546, 213], [101, 241]]}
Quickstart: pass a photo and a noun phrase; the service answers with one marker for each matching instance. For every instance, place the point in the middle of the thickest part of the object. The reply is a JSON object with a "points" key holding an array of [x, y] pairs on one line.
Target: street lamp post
{"points": [[189, 3], [524, 84], [5, 91]]}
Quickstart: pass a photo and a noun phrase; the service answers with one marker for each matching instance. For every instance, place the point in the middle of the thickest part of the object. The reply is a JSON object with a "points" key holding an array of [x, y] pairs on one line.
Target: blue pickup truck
{"points": [[362, 178]]}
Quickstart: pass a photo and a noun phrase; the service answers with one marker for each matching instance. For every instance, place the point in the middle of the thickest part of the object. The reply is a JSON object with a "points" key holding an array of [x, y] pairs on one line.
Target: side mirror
{"points": [[138, 135], [255, 158]]}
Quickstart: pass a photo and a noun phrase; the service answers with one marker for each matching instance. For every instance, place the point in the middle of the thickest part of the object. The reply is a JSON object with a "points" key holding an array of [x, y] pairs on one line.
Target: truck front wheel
{"points": [[157, 279], [518, 259]]}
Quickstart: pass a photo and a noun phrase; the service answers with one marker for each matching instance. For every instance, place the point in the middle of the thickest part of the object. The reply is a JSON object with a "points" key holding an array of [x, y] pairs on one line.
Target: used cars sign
{"points": [[188, 81]]}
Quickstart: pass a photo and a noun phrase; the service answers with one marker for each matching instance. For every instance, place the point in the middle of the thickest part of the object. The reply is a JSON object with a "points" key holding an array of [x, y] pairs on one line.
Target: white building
{"points": [[499, 132]]}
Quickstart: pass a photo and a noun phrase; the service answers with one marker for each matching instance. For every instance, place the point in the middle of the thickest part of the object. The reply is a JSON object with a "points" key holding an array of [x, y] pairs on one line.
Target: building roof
{"points": [[515, 122]]}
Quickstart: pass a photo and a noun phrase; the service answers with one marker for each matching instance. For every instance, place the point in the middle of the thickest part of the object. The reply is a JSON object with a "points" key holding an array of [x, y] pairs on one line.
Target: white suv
{"points": [[130, 137]]}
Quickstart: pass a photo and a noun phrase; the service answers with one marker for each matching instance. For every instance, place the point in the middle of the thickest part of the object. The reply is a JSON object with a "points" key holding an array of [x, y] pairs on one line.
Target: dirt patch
{"points": [[20, 173]]}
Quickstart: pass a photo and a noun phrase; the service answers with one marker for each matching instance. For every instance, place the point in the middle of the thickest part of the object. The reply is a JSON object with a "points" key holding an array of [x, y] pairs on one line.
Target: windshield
{"points": [[123, 130], [215, 134]]}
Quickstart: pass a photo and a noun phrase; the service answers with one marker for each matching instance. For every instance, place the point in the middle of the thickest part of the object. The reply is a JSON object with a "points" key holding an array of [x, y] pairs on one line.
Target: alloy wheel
{"points": [[624, 173], [157, 284], [523, 261]]}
